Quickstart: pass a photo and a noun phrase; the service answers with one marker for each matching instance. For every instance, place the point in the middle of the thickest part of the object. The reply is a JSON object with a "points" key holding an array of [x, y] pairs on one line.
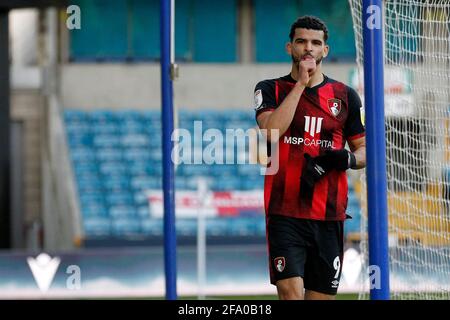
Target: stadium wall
{"points": [[137, 86]]}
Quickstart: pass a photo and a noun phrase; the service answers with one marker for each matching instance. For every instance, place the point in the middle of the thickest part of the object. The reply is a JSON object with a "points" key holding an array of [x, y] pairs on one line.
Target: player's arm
{"points": [[280, 119], [354, 130], [358, 148]]}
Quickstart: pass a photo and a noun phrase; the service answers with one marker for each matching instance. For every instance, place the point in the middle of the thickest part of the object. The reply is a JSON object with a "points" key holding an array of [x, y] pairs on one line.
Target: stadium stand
{"points": [[116, 159]]}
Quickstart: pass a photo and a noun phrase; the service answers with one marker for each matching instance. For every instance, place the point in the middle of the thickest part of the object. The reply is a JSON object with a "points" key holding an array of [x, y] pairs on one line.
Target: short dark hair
{"points": [[309, 22]]}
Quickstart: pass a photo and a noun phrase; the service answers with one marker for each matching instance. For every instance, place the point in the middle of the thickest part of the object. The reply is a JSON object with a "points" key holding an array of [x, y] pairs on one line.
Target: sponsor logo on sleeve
{"points": [[258, 99]]}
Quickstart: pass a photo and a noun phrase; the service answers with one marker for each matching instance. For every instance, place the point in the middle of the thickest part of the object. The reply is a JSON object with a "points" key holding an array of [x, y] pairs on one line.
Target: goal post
{"points": [[167, 117], [415, 56], [376, 148]]}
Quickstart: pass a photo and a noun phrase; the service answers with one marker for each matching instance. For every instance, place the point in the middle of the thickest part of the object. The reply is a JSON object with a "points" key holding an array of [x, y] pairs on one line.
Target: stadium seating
{"points": [[116, 158]]}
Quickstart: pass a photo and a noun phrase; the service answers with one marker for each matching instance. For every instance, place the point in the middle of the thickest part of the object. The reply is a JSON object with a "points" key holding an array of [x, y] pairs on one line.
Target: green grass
{"points": [[341, 296]]}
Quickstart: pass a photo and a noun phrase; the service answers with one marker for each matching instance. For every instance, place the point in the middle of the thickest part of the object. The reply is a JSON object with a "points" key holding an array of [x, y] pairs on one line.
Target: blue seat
{"points": [[152, 226], [132, 127], [89, 184], [143, 211], [155, 140], [137, 154], [103, 116], [122, 211], [81, 125], [181, 183], [196, 170], [193, 181], [353, 199], [91, 197], [141, 198], [85, 169], [213, 124], [142, 168], [186, 124], [229, 184], [94, 210], [157, 168], [354, 210], [135, 141], [82, 154], [116, 183], [353, 225], [156, 154], [109, 154], [106, 141], [154, 128], [96, 226], [146, 182], [186, 114], [86, 172], [351, 187], [105, 128], [119, 199], [186, 227], [80, 140], [217, 226], [113, 168], [208, 115], [151, 116], [125, 227], [224, 170], [253, 183]]}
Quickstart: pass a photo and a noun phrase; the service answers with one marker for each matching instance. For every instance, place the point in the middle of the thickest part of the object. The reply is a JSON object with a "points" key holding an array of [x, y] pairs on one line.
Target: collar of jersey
{"points": [[292, 80]]}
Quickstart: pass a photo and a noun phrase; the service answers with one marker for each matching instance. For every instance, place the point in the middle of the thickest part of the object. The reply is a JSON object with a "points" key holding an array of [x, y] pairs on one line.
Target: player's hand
{"points": [[306, 68], [313, 171], [319, 166], [337, 159]]}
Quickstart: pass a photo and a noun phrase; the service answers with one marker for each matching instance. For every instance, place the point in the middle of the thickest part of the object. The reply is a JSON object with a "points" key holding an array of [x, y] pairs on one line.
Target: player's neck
{"points": [[316, 78]]}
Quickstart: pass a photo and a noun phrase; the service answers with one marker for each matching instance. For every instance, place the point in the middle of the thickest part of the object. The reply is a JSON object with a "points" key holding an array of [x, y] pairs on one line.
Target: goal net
{"points": [[417, 121]]}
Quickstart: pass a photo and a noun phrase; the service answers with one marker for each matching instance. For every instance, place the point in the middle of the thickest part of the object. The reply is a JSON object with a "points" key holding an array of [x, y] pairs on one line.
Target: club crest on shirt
{"points": [[335, 106], [280, 263], [258, 99]]}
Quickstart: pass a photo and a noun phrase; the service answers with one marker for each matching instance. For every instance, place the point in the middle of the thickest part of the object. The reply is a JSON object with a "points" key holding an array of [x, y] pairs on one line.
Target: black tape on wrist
{"points": [[351, 160]]}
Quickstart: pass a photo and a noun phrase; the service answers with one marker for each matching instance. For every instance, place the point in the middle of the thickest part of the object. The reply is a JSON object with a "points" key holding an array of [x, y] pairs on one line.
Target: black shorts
{"points": [[310, 249]]}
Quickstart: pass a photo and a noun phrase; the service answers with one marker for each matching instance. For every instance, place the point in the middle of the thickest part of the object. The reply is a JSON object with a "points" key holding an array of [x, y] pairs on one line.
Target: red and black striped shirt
{"points": [[327, 116]]}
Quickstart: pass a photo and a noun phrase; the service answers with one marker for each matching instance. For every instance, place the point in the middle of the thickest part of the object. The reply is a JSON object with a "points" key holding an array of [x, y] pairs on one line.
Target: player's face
{"points": [[307, 42]]}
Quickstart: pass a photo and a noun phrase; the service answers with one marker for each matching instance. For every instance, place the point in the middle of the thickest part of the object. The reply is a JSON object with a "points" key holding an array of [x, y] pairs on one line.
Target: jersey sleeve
{"points": [[354, 128], [265, 99]]}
